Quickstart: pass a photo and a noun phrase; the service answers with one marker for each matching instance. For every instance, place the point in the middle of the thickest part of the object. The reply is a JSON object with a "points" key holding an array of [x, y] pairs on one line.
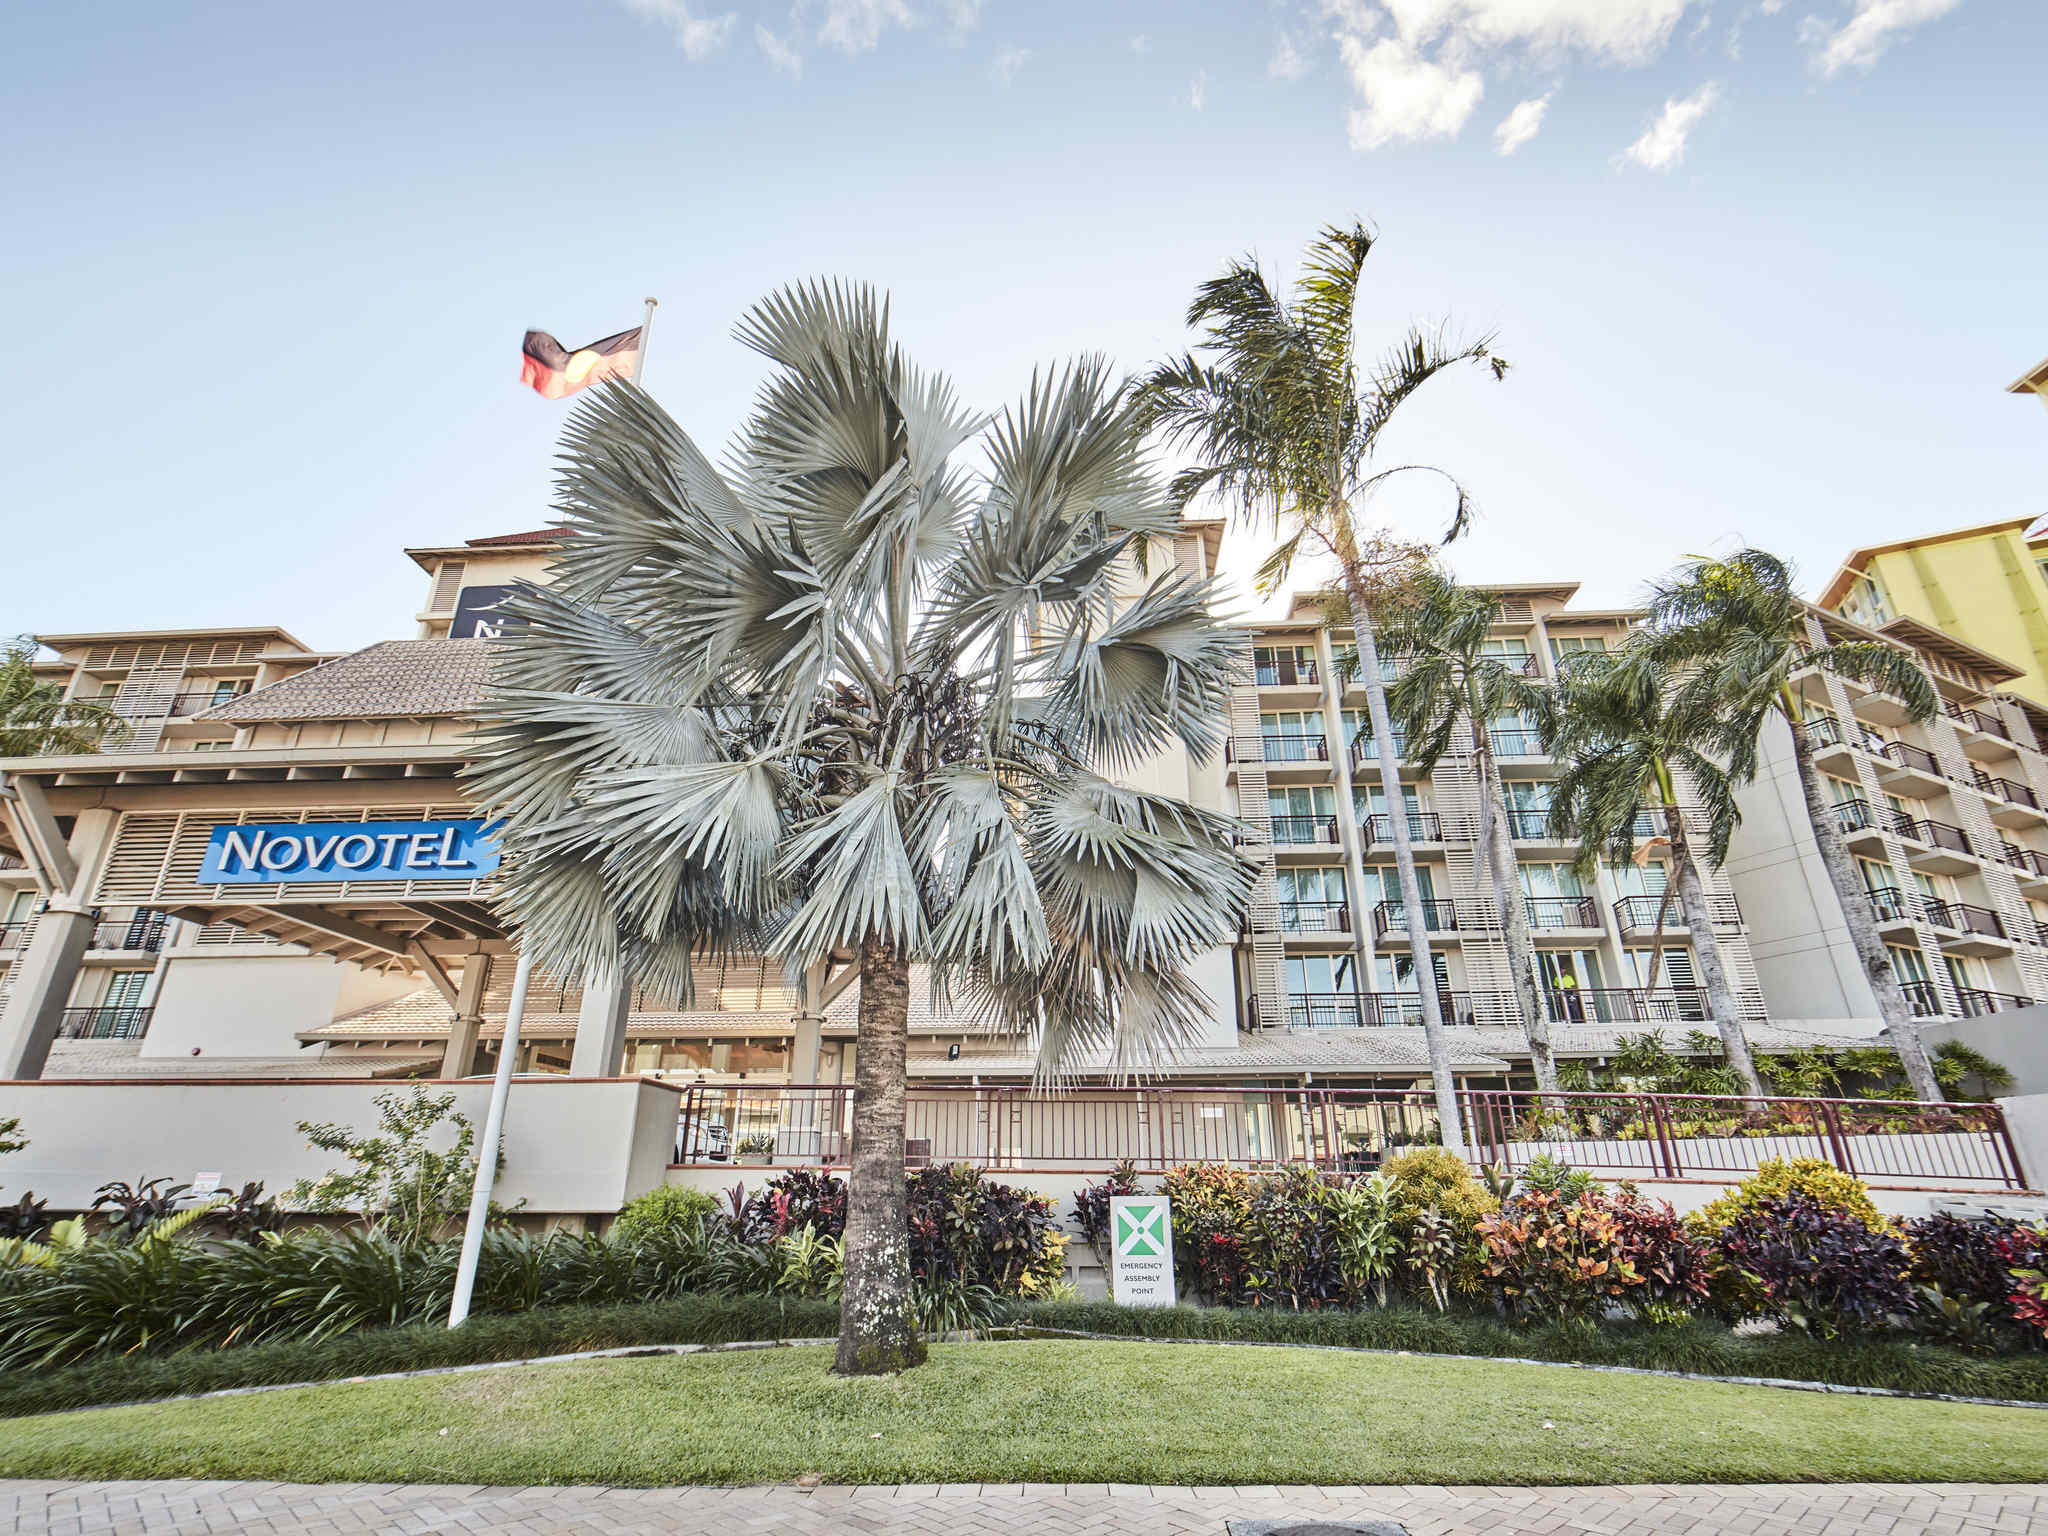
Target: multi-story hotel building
{"points": [[126, 952]]}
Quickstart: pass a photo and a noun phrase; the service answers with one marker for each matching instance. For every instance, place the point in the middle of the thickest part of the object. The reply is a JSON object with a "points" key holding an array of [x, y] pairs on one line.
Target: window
{"points": [[1640, 879], [228, 688], [1908, 964], [1581, 965], [1550, 880], [1674, 973], [1301, 801], [1371, 799], [1284, 666], [1516, 649], [1562, 646], [1866, 603], [124, 989], [1383, 883], [1294, 736]]}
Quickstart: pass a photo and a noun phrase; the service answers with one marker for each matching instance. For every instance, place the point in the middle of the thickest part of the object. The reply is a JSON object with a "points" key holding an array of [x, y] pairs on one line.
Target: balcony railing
{"points": [[116, 1023], [1923, 997], [1286, 673], [1562, 911], [11, 935], [1893, 905], [1936, 834], [1919, 759], [143, 933], [1295, 749], [1365, 747], [1858, 815], [1961, 917], [1976, 1001], [198, 703], [1638, 914], [1626, 1005], [1423, 827], [2006, 790], [1315, 917], [12, 861], [1367, 1010], [2029, 862], [1439, 916], [2014, 855], [1977, 720], [1899, 1144], [1526, 823], [1299, 831], [1512, 742]]}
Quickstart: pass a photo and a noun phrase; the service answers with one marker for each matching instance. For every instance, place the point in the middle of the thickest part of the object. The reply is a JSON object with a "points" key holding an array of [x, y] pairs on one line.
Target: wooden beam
{"points": [[348, 928], [466, 918], [435, 973]]}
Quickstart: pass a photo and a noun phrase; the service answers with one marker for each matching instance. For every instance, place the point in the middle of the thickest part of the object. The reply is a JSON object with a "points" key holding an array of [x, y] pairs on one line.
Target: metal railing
{"points": [[1367, 1010], [1516, 743], [1295, 831], [1976, 1001], [1936, 834], [1648, 1137], [1365, 747], [1528, 824], [1315, 917], [1562, 911], [143, 933], [1977, 720], [1638, 914], [1961, 917], [1923, 997], [1439, 916], [1423, 827], [183, 704], [11, 935], [1856, 814], [1892, 905], [1286, 673], [1295, 749], [118, 1023], [1626, 1005], [2015, 855], [1919, 759]]}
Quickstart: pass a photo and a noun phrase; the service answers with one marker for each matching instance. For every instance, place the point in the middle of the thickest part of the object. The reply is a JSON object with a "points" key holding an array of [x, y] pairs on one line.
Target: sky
{"points": [[1763, 268]]}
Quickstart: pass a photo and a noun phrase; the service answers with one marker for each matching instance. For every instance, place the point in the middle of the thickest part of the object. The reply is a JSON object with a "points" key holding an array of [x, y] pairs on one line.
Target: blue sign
{"points": [[348, 850], [477, 616]]}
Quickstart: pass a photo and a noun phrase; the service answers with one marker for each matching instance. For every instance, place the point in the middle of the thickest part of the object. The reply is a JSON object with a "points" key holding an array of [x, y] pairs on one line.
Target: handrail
{"points": [[1562, 911], [1423, 827], [1437, 916], [1294, 831]]}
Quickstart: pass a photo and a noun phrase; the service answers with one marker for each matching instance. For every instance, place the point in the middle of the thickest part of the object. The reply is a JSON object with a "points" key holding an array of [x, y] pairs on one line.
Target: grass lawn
{"points": [[1040, 1411]]}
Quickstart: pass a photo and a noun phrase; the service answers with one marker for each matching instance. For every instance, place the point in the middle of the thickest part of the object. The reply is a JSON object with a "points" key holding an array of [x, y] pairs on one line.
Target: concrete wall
{"points": [[2017, 1038], [572, 1147], [252, 1003]]}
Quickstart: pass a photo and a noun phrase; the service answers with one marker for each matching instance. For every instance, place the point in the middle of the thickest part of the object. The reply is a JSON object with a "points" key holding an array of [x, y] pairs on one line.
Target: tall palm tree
{"points": [[36, 718], [1284, 424], [1440, 630], [1627, 731], [1741, 625], [842, 699]]}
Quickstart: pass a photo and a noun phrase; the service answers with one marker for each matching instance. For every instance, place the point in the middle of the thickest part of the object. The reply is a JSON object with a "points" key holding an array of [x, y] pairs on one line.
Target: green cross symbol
{"points": [[1139, 1231]]}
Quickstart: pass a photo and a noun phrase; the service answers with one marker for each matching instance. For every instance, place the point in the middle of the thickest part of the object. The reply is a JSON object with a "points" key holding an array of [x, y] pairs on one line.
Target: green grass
{"points": [[1040, 1411]]}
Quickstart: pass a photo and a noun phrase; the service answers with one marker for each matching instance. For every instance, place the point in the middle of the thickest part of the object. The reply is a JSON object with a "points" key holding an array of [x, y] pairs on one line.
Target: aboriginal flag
{"points": [[554, 371]]}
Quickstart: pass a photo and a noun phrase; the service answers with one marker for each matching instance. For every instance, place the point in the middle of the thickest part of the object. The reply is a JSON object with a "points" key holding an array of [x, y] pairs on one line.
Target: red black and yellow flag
{"points": [[554, 371]]}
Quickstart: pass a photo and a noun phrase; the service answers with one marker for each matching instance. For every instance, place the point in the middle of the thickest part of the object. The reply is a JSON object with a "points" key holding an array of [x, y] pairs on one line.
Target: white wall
{"points": [[571, 1147], [241, 1005]]}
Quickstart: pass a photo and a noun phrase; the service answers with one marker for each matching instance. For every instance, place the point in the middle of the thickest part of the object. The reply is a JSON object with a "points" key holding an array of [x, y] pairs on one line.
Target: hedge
{"points": [[693, 1319], [1697, 1346]]}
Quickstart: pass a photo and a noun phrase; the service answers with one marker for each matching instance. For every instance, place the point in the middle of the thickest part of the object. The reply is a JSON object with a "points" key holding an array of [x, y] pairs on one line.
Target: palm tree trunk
{"points": [[1902, 1033], [1446, 1087], [1498, 848], [1692, 901], [877, 1333]]}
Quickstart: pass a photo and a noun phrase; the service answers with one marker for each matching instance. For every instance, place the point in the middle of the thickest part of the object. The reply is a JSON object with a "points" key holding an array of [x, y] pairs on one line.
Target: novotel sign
{"points": [[296, 852]]}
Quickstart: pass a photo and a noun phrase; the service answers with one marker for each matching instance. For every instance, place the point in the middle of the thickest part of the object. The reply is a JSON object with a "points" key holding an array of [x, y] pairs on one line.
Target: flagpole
{"points": [[487, 1154], [646, 331]]}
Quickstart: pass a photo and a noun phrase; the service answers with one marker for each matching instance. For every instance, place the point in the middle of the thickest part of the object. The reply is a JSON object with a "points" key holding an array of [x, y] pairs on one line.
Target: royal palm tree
{"points": [[843, 699], [1282, 421], [1741, 626], [1627, 733], [1440, 631], [36, 718]]}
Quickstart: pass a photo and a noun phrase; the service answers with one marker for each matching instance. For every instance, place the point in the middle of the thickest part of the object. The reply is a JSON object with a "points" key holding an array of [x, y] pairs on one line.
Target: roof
{"points": [[394, 679], [426, 555], [553, 535], [1854, 562], [116, 1058], [1927, 637], [2035, 378], [130, 636]]}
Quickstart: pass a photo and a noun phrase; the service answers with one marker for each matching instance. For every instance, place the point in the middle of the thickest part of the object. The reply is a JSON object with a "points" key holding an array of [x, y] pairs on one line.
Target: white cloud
{"points": [[1625, 31], [1139, 45], [1404, 97], [1771, 7], [1288, 64], [1662, 145], [696, 35], [963, 14], [1198, 91], [856, 26], [1862, 39], [781, 55], [1520, 125], [1007, 63]]}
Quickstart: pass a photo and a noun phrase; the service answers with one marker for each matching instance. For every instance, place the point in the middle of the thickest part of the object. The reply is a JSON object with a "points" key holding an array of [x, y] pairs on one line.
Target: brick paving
{"points": [[339, 1509]]}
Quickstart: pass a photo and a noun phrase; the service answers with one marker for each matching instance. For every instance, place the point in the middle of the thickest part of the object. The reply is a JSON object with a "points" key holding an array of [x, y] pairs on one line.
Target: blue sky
{"points": [[1763, 269]]}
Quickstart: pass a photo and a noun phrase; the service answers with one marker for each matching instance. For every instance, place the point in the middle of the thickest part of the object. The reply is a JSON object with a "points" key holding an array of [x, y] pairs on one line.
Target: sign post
{"points": [[1141, 1250]]}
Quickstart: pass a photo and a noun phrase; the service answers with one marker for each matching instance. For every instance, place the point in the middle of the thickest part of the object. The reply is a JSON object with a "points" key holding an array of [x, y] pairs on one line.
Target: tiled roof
{"points": [[531, 536], [107, 1058], [395, 679]]}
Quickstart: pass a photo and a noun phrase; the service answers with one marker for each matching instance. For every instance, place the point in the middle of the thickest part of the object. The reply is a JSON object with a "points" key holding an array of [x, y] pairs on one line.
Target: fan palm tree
{"points": [[1741, 626], [843, 699], [1627, 732], [36, 718], [1284, 423], [1440, 631]]}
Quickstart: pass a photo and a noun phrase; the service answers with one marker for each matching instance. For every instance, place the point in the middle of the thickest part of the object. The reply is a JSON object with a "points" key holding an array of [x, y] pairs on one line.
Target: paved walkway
{"points": [[335, 1509]]}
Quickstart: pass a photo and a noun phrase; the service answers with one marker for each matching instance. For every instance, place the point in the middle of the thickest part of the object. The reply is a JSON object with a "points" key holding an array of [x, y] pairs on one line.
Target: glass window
{"points": [[1640, 879], [1383, 883], [1550, 880], [1908, 963], [1562, 646]]}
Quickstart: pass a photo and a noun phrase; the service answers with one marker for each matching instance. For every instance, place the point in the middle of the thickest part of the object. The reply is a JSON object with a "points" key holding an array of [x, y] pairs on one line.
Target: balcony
{"points": [[1893, 906], [1983, 735], [1390, 918], [1912, 769], [1423, 827], [1638, 914], [12, 935], [1552, 912], [1943, 847], [141, 934], [2012, 805], [1515, 742], [1365, 747], [1295, 749], [1304, 831], [184, 705], [1371, 1010], [1315, 917], [1626, 1005], [1286, 672], [1975, 930], [104, 1023], [1977, 1002]]}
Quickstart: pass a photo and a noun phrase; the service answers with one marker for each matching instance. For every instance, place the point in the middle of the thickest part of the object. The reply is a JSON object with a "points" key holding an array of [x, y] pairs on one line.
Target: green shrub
{"points": [[1432, 1179], [402, 1181], [665, 1212], [1777, 1177]]}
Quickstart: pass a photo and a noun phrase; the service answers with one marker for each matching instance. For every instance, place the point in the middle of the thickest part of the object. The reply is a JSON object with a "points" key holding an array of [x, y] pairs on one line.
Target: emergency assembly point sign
{"points": [[1141, 1250]]}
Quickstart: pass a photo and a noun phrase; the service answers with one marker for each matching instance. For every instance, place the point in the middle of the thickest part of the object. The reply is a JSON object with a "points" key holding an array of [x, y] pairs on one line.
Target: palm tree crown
{"points": [[36, 718]]}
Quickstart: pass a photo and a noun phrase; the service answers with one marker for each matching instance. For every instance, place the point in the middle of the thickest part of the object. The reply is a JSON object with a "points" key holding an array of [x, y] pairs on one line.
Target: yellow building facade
{"points": [[1984, 586]]}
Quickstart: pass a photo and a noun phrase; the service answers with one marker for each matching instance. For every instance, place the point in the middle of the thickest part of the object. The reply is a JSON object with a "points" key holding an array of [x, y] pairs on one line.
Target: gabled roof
{"points": [[1856, 560], [531, 536], [2035, 378], [393, 680]]}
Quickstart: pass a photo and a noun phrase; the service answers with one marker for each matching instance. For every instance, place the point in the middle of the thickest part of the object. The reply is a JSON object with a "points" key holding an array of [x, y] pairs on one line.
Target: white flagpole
{"points": [[487, 1154], [646, 331]]}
